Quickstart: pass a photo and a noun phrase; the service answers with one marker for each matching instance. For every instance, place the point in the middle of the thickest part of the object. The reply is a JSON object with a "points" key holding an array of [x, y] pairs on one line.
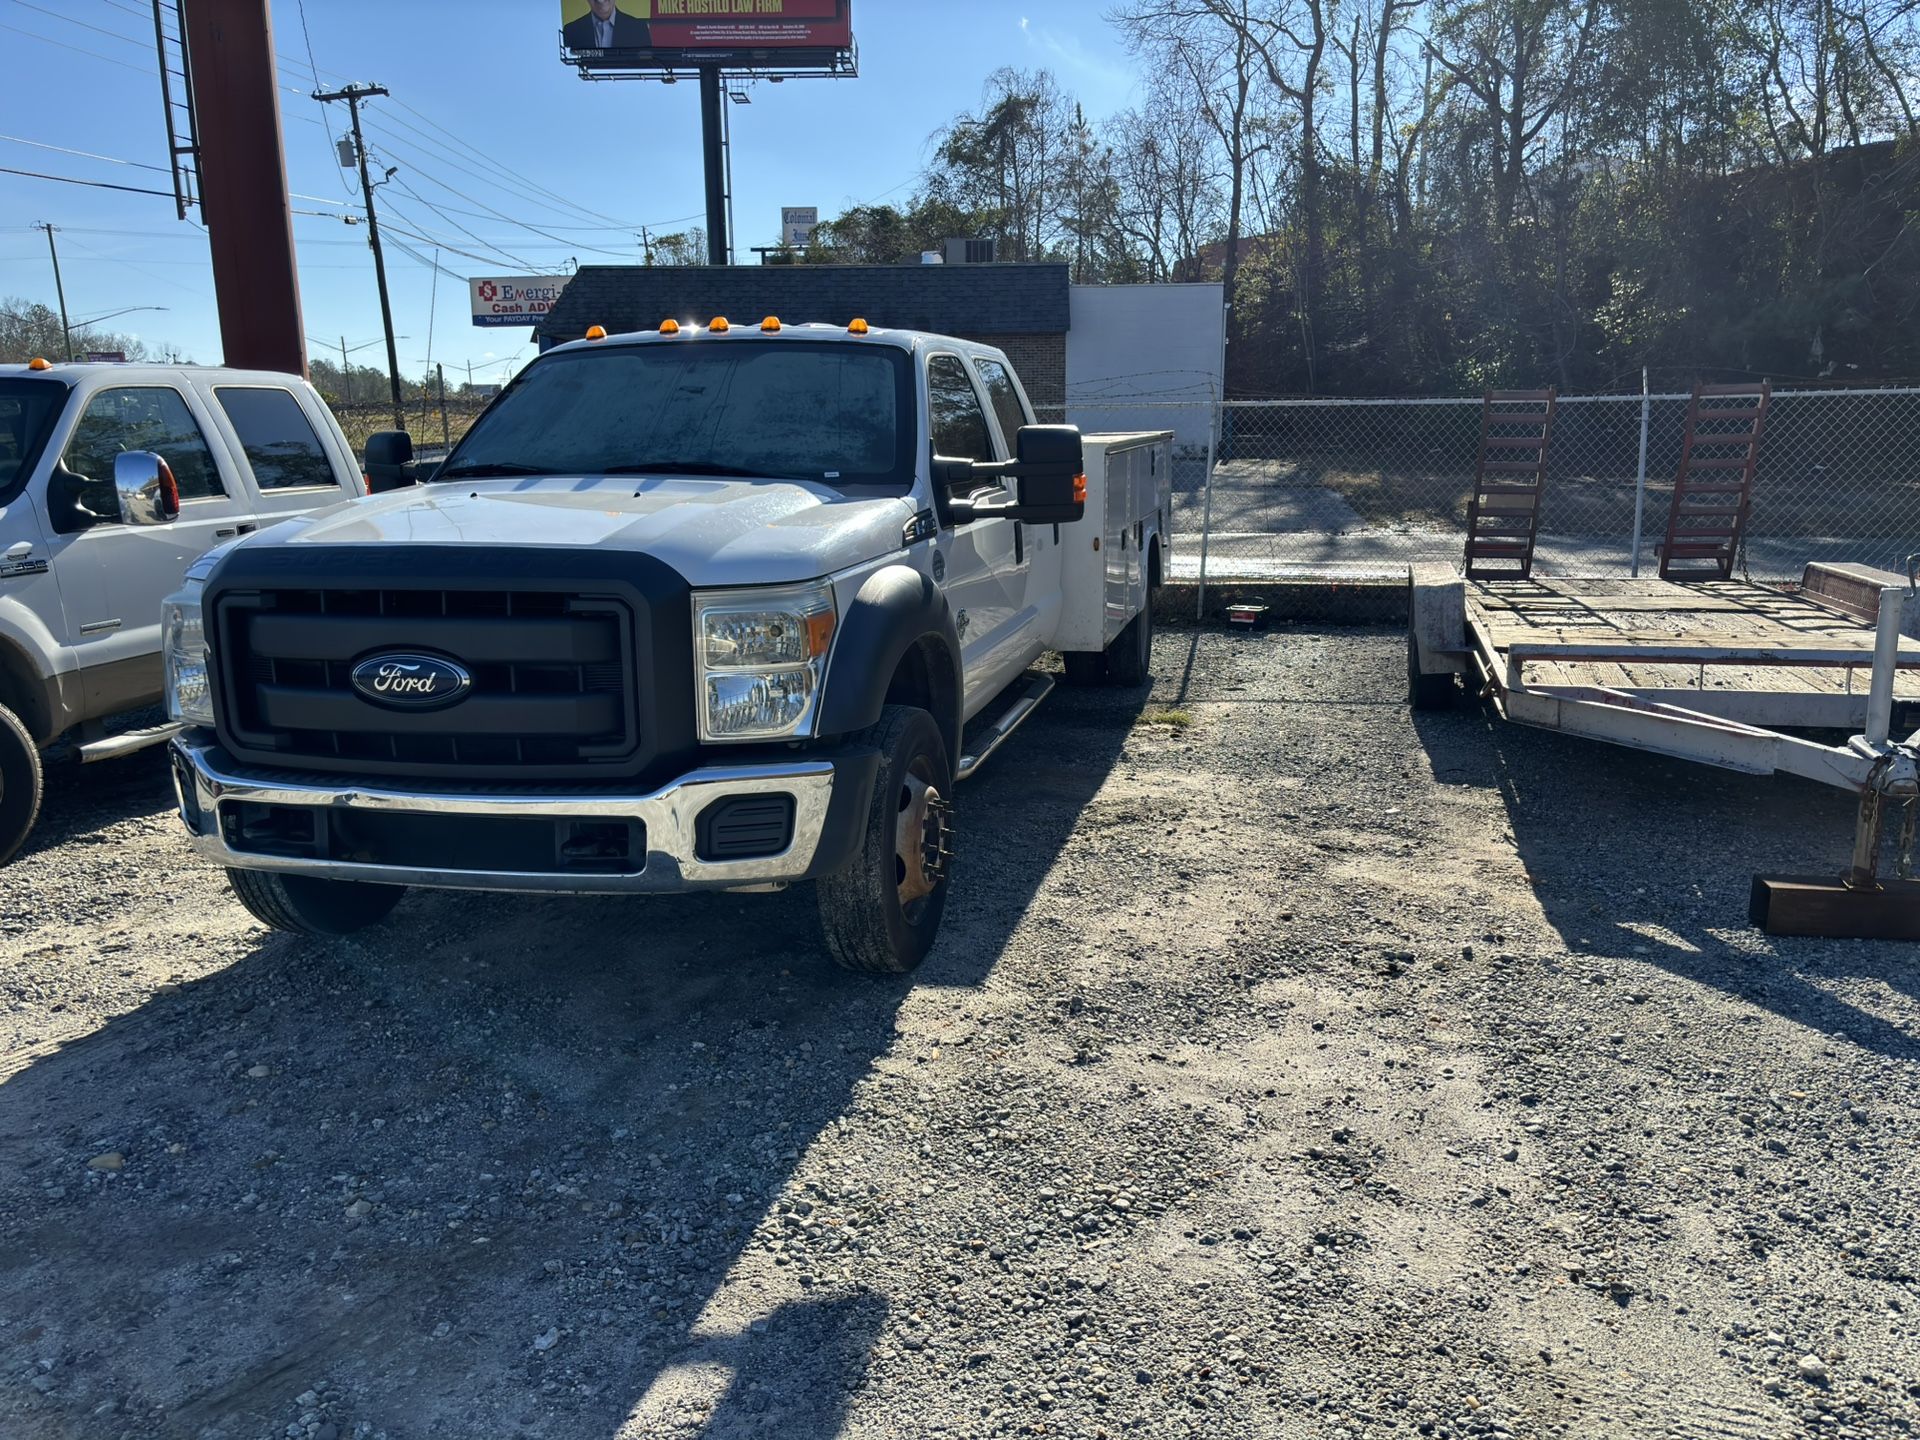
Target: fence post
{"points": [[1640, 485], [440, 373], [1206, 506]]}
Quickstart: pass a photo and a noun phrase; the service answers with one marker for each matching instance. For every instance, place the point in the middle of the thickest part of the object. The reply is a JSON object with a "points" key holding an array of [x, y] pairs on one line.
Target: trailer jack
{"points": [[1862, 905]]}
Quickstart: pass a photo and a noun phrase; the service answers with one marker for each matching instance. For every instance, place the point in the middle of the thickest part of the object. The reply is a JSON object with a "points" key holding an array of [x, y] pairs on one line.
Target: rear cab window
{"points": [[1006, 400], [282, 448]]}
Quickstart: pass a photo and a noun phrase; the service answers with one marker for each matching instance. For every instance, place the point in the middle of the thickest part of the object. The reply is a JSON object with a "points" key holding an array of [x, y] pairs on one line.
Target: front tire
{"points": [[20, 784], [304, 905], [882, 913]]}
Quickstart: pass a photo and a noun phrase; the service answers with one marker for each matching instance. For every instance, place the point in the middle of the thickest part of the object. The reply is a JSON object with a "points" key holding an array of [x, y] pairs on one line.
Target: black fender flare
{"points": [[895, 609]]}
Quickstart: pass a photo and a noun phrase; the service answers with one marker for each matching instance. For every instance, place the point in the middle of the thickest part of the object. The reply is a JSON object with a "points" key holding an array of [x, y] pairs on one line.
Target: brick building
{"points": [[1022, 309]]}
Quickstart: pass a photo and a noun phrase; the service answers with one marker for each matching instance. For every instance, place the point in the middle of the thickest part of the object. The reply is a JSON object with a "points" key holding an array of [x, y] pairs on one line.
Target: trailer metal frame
{"points": [[1631, 667]]}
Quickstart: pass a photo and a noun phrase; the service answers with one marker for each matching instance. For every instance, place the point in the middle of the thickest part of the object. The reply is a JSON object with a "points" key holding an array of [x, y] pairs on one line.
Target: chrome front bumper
{"points": [[206, 779]]}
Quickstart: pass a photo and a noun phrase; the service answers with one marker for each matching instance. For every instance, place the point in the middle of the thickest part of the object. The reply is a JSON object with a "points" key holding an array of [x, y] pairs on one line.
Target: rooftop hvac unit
{"points": [[961, 251]]}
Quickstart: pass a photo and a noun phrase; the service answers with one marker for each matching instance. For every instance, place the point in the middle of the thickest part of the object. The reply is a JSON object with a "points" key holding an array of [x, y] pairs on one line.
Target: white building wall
{"points": [[1146, 357]]}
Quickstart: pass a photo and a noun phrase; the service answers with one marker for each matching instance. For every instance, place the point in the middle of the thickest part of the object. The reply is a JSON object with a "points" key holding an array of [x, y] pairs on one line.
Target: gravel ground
{"points": [[1304, 1071]]}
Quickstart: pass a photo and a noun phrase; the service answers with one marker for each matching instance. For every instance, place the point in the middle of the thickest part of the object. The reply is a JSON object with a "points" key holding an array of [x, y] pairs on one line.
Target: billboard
{"points": [[514, 299], [796, 224], [684, 34]]}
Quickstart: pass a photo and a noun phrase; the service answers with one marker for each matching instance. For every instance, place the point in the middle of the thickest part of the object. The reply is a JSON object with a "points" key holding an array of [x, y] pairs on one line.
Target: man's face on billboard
{"points": [[602, 9]]}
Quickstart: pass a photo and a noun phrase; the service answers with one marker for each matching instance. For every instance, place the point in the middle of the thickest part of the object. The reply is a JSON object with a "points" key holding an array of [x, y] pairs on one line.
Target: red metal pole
{"points": [[243, 183]]}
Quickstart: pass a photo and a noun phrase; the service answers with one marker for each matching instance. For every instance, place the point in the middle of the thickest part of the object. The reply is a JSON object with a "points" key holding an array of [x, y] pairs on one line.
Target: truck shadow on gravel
{"points": [[82, 800], [1641, 859], [506, 1166]]}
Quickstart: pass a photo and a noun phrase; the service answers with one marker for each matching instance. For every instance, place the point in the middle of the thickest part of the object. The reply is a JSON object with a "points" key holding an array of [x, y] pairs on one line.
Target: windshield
{"points": [[28, 409], [840, 414]]}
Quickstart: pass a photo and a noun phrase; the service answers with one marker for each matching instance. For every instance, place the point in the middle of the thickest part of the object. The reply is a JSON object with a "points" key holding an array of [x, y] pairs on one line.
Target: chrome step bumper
{"points": [[829, 794]]}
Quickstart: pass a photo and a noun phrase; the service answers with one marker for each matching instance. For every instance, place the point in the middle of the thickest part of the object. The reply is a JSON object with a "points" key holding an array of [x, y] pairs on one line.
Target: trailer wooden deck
{"points": [[1717, 647]]}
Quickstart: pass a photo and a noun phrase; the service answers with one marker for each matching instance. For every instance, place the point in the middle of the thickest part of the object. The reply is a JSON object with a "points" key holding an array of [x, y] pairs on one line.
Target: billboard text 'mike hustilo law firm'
{"points": [[662, 34]]}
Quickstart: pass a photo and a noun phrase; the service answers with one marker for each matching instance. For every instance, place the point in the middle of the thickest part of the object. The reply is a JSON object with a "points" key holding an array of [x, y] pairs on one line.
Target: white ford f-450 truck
{"points": [[709, 607]]}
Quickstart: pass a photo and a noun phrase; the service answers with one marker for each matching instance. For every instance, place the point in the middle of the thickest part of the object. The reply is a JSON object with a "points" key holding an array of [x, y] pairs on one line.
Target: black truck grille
{"points": [[553, 677]]}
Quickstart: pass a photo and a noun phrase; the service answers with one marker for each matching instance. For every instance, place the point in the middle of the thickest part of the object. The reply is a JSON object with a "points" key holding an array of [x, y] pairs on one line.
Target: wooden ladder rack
{"points": [[1503, 517], [1713, 490]]}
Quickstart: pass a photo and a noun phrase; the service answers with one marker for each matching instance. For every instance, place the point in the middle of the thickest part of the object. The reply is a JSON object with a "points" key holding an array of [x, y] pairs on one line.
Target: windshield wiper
{"points": [[493, 467], [689, 467]]}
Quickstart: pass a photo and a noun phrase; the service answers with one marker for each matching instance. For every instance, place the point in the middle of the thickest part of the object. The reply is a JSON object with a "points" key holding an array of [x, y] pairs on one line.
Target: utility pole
{"points": [[59, 290], [353, 95]]}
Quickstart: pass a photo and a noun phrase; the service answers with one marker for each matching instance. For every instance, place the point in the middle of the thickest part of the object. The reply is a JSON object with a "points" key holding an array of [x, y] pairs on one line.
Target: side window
{"points": [[281, 447], [140, 418], [1006, 400], [959, 424]]}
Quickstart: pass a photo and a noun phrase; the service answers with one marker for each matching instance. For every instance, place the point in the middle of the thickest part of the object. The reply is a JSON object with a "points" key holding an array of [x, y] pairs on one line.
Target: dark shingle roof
{"points": [[952, 299]]}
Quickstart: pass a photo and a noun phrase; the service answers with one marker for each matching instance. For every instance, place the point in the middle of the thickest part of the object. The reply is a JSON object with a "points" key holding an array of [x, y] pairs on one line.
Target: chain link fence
{"points": [[433, 429], [1350, 489]]}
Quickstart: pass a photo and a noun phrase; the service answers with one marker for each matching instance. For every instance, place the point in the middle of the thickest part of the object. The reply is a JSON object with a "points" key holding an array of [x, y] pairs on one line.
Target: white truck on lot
{"points": [[113, 478], [708, 607]]}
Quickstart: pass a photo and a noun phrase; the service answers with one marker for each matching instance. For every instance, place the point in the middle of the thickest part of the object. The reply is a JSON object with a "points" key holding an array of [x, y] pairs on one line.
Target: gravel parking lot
{"points": [[1306, 1070]]}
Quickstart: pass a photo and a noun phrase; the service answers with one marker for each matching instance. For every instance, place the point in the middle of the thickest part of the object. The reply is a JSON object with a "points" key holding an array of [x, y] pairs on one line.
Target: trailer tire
{"points": [[873, 917], [20, 784], [306, 905], [1427, 692]]}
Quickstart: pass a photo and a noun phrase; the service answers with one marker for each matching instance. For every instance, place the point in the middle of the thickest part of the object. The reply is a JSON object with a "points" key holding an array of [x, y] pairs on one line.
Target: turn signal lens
{"points": [[771, 323], [1080, 489], [38, 362], [669, 327], [596, 332], [718, 325], [857, 327]]}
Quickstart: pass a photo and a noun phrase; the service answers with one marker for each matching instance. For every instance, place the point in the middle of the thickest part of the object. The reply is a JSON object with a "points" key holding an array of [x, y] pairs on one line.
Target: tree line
{"points": [[1439, 195]]}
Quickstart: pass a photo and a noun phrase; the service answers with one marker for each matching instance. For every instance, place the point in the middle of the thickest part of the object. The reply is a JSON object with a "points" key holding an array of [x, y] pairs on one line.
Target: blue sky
{"points": [[482, 109]]}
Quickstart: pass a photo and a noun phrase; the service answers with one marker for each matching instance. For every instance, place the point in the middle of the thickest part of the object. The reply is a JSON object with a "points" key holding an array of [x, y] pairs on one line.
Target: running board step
{"points": [[980, 747], [127, 742]]}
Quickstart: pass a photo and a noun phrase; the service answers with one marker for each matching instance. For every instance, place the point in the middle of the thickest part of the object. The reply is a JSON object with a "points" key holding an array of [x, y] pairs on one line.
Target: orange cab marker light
{"points": [[669, 327], [771, 323], [718, 324], [38, 362], [857, 327], [596, 332]]}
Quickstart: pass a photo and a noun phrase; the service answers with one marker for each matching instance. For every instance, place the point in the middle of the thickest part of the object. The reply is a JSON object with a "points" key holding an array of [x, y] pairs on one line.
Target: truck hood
{"points": [[714, 532]]}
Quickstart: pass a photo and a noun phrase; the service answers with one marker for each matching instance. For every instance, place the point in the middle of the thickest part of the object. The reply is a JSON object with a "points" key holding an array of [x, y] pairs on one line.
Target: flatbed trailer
{"points": [[1714, 671]]}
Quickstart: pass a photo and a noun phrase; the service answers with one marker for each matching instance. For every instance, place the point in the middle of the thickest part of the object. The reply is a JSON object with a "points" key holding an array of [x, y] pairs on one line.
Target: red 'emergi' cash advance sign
{"points": [[514, 299]]}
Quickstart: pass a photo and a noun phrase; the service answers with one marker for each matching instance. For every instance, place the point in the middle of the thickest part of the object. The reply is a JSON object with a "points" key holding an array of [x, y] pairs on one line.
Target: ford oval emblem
{"points": [[411, 682]]}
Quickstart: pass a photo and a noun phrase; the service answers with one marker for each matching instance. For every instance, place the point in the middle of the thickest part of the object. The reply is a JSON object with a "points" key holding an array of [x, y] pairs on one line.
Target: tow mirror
{"points": [[389, 461], [145, 487], [1047, 480]]}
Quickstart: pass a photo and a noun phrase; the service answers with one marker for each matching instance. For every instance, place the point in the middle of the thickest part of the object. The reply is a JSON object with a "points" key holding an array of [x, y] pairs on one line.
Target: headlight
{"points": [[762, 657], [183, 641]]}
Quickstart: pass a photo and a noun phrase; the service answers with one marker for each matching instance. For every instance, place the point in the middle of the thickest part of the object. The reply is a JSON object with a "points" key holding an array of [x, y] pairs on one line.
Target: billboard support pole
{"points": [[710, 146]]}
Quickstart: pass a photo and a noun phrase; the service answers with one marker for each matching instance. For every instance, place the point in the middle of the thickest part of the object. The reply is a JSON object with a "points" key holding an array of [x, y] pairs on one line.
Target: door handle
{"points": [[248, 528]]}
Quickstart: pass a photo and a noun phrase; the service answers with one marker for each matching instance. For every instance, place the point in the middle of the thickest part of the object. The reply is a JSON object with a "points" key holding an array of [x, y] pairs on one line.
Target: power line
{"points": [[84, 154], [96, 184], [78, 50], [69, 20]]}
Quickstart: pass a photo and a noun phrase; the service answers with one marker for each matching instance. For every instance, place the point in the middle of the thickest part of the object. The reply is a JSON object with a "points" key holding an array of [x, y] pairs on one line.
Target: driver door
{"points": [[979, 554], [115, 621]]}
